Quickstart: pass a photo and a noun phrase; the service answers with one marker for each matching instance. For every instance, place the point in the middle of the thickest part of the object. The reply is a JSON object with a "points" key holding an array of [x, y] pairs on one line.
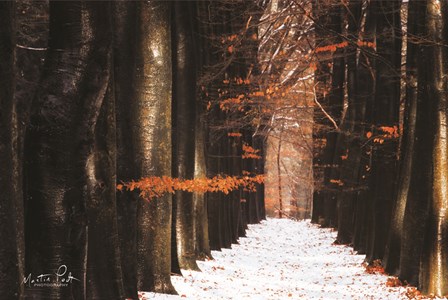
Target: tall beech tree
{"points": [[322, 156], [365, 95], [415, 22], [104, 273], [151, 131], [385, 113], [350, 138], [184, 111], [434, 262], [11, 209], [60, 142], [423, 245], [216, 144], [125, 25], [334, 108], [202, 246]]}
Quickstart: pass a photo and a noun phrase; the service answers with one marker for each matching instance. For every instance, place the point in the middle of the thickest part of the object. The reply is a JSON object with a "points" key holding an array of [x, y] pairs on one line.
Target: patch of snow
{"points": [[283, 259]]}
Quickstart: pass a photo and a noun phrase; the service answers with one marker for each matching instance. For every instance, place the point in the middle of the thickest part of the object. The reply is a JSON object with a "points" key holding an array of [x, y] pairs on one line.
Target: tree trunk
{"points": [[151, 130], [199, 200], [125, 22], [350, 136], [322, 80], [214, 199], [385, 113], [434, 259], [60, 141], [200, 169], [104, 273], [366, 80], [416, 211], [392, 253], [235, 169], [11, 208], [332, 152], [184, 110]]}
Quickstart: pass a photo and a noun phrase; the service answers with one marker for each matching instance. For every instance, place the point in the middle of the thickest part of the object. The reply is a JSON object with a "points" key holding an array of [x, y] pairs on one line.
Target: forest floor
{"points": [[285, 259]]}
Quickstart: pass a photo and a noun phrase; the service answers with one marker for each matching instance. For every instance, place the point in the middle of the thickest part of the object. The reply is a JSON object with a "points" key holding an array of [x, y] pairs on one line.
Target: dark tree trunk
{"points": [[350, 137], [184, 110], [104, 273], [199, 200], [200, 168], [151, 131], [236, 195], [251, 204], [259, 143], [322, 81], [391, 259], [60, 141], [225, 202], [214, 199], [333, 151], [385, 113], [125, 22], [416, 210], [11, 208], [32, 39], [366, 84]]}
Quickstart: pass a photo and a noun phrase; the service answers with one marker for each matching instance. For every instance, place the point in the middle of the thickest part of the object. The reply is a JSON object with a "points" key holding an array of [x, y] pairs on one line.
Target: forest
{"points": [[138, 136]]}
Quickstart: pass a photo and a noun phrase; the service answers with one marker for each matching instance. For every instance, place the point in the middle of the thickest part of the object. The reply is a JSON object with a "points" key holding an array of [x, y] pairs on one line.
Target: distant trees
{"points": [[386, 176]]}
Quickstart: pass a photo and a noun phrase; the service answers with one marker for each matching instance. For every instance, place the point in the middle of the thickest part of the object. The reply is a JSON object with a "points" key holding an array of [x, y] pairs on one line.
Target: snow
{"points": [[283, 259]]}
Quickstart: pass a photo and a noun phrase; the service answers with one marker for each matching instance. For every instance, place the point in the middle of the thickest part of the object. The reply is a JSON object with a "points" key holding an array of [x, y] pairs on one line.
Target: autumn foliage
{"points": [[385, 133], [154, 186], [249, 152], [375, 267], [334, 47]]}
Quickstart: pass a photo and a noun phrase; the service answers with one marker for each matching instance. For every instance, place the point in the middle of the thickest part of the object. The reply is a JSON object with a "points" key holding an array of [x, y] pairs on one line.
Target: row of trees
{"points": [[99, 93], [95, 93], [373, 71], [381, 167]]}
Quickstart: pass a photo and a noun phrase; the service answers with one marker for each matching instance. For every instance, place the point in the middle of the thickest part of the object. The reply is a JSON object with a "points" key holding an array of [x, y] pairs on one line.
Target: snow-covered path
{"points": [[283, 259]]}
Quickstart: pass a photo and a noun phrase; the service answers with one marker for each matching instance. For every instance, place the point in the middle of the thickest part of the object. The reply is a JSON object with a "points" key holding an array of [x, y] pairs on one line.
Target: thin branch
{"points": [[324, 111], [30, 48]]}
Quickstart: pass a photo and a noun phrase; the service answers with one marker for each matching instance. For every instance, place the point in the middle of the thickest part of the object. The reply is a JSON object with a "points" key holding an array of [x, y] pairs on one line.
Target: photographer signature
{"points": [[61, 277]]}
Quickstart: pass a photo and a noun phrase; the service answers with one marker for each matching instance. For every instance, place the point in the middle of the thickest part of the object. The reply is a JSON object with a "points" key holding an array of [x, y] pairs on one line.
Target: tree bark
{"points": [[151, 132], [434, 259], [416, 210], [350, 138], [385, 113], [366, 80], [184, 110], [60, 141], [11, 208], [332, 152], [391, 259], [202, 246], [104, 273], [125, 26], [322, 82]]}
